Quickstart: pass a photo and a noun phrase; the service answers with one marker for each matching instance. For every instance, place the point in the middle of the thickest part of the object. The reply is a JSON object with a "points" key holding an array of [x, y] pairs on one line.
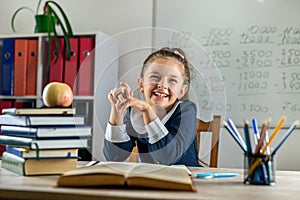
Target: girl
{"points": [[164, 125]]}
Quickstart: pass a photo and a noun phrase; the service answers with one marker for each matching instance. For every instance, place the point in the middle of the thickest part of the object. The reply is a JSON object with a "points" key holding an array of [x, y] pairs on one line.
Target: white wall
{"points": [[109, 16], [126, 20], [117, 18]]}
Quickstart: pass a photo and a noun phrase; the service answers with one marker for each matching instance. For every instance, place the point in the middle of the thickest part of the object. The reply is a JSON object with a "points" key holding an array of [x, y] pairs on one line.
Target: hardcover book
{"points": [[32, 143], [47, 131], [43, 153], [39, 111], [129, 174], [46, 166], [40, 120]]}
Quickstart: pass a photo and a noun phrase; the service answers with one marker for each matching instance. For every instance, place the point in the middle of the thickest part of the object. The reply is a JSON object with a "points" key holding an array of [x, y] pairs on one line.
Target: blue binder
{"points": [[7, 67], [1, 48]]}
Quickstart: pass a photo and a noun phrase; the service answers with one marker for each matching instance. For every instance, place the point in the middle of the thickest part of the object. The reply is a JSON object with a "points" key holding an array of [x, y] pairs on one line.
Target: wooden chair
{"points": [[134, 155], [202, 126], [212, 127]]}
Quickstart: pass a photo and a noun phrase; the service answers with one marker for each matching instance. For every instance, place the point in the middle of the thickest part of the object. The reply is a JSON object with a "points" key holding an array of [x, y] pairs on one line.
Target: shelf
{"points": [[96, 107], [83, 98], [18, 97], [40, 97]]}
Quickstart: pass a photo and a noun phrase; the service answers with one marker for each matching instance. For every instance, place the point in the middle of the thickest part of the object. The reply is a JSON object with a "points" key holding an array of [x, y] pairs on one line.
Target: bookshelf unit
{"points": [[104, 77]]}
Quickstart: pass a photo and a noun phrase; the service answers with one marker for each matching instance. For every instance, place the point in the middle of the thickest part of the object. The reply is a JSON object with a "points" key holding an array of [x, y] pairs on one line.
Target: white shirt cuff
{"points": [[156, 130], [116, 133]]}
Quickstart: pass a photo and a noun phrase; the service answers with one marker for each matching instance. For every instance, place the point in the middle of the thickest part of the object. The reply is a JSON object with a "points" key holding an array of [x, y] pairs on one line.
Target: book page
{"points": [[169, 173], [103, 173], [160, 176], [104, 167]]}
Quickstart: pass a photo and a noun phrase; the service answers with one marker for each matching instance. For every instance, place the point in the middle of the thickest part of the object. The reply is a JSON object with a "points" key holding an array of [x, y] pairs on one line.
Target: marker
{"points": [[217, 175]]}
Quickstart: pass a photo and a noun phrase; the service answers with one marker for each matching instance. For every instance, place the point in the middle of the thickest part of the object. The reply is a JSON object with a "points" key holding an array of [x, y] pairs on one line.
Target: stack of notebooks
{"points": [[42, 141]]}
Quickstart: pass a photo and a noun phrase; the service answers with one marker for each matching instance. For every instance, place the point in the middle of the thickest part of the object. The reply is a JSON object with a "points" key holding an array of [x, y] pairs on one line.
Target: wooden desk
{"points": [[14, 186]]}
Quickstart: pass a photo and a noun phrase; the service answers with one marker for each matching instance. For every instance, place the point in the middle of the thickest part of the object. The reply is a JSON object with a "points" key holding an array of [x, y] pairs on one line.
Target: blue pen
{"points": [[216, 175], [255, 129]]}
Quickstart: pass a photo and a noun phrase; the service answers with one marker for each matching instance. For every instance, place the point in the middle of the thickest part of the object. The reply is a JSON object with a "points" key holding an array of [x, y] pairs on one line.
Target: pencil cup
{"points": [[259, 169]]}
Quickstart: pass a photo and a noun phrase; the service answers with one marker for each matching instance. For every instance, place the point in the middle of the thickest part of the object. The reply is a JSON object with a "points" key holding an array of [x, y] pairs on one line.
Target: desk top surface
{"points": [[13, 186]]}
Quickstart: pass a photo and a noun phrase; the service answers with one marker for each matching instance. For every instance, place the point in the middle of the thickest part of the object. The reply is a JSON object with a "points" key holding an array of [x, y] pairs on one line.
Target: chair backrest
{"points": [[202, 126], [212, 127]]}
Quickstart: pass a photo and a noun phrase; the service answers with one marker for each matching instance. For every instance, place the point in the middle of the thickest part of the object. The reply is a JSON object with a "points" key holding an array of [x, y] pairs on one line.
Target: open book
{"points": [[130, 174]]}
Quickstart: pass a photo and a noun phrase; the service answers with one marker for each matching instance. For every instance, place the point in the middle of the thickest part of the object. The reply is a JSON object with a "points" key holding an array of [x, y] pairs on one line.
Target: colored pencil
{"points": [[235, 137], [235, 130], [276, 130], [266, 141], [247, 137], [287, 134], [262, 135], [257, 161]]}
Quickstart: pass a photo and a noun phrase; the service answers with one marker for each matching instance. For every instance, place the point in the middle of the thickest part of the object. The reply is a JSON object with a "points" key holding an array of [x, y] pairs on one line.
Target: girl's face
{"points": [[163, 82]]}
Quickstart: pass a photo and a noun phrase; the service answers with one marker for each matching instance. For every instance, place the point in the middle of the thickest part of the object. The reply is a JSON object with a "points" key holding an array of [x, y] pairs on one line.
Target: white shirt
{"points": [[155, 129]]}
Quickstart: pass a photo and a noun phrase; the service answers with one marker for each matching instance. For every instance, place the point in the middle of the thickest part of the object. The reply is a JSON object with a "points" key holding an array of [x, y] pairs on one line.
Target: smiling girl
{"points": [[163, 126]]}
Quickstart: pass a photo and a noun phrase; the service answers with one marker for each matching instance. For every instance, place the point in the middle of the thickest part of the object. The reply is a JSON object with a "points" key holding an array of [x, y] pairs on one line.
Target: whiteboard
{"points": [[246, 55]]}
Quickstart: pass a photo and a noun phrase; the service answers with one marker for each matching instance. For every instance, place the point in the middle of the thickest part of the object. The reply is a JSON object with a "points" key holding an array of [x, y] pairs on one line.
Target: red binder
{"points": [[5, 104], [20, 71], [56, 68], [32, 67], [2, 147], [71, 66], [18, 104], [86, 66]]}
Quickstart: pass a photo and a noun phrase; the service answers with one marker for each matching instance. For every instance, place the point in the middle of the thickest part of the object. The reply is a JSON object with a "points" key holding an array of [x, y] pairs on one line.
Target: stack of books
{"points": [[42, 141]]}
